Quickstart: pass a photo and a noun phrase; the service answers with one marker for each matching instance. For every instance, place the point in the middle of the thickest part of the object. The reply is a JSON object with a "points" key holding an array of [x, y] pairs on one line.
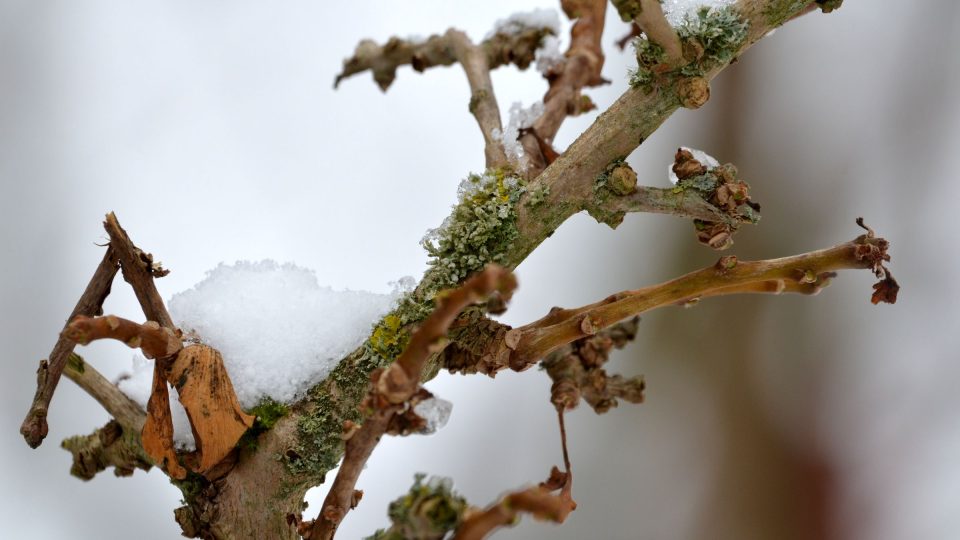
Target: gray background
{"points": [[213, 131]]}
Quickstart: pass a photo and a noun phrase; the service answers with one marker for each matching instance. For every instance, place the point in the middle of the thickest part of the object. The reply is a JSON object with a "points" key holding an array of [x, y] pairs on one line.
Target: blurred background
{"points": [[213, 131]]}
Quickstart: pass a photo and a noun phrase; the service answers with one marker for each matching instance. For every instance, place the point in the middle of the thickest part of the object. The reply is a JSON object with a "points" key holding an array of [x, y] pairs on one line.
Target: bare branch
{"points": [[452, 47], [653, 23], [538, 339], [538, 501], [34, 428], [392, 387], [483, 101], [122, 408], [154, 340], [139, 269], [584, 61]]}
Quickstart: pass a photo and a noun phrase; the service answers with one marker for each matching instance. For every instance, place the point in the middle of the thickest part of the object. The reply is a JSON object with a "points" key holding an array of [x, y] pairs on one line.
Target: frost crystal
{"points": [[435, 411], [704, 158], [518, 22], [520, 118], [279, 331], [678, 10], [548, 55]]}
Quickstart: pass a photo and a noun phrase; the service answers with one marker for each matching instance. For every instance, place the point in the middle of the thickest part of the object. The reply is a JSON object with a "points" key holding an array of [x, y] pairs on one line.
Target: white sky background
{"points": [[213, 131]]}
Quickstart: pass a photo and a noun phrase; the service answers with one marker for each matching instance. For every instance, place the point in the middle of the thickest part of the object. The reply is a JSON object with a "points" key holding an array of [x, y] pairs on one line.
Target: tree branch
{"points": [[126, 411], [452, 47], [584, 62], [538, 339], [483, 101], [155, 341], [538, 501], [390, 390], [139, 271], [34, 428], [654, 23], [110, 446]]}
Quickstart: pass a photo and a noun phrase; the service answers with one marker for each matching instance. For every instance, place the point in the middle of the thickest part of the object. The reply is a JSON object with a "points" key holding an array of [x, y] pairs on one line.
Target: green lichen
{"points": [[649, 55], [480, 230], [827, 6], [716, 35], [267, 413], [628, 9], [76, 363], [602, 193], [600, 182], [781, 11], [429, 510], [710, 38], [704, 184], [191, 486], [336, 400], [537, 196]]}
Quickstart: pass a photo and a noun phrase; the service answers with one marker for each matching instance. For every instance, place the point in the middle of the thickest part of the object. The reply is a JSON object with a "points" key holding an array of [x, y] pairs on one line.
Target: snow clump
{"points": [[435, 411], [278, 330], [520, 118], [518, 22], [549, 56]]}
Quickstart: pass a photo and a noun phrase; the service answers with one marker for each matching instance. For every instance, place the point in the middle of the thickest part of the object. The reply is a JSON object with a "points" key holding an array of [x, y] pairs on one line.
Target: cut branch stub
{"points": [[207, 394]]}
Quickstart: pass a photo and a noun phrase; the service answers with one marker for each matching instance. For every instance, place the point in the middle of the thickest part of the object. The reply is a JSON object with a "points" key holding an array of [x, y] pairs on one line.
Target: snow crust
{"points": [[677, 10], [548, 56], [435, 411], [704, 158], [279, 331], [520, 118], [518, 22]]}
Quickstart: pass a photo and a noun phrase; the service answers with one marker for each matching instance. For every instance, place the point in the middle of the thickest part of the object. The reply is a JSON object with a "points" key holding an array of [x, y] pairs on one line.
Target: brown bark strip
{"points": [[34, 428], [392, 387], [154, 340], [216, 418], [584, 62]]}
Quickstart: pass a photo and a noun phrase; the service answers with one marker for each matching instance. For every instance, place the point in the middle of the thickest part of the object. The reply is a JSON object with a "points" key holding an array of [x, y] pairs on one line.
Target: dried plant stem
{"points": [[34, 427]]}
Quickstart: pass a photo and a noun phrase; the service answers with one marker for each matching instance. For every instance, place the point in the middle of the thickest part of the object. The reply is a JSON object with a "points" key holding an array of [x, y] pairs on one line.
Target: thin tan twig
{"points": [[34, 427]]}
